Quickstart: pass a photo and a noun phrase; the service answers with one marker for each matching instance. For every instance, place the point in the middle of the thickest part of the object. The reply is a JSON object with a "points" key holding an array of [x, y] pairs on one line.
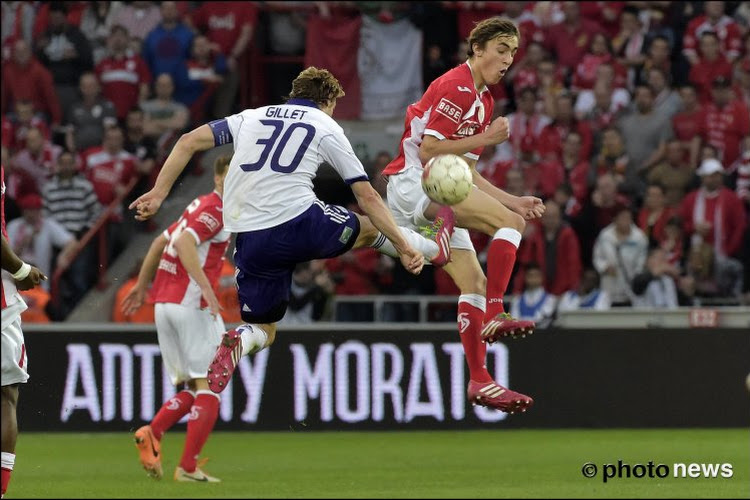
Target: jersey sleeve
{"points": [[448, 106], [226, 129], [205, 223], [337, 151]]}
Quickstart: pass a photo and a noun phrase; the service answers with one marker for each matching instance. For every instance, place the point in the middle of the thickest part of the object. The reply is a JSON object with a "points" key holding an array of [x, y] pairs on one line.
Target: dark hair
{"points": [[662, 38], [532, 266], [565, 188], [317, 85], [119, 27], [710, 33], [489, 29]]}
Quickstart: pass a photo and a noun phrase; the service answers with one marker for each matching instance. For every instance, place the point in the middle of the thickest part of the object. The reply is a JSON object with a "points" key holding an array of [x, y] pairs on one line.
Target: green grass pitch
{"points": [[439, 464]]}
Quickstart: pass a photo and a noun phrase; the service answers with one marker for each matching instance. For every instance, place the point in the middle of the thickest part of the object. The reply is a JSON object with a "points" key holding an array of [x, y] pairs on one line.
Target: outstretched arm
{"points": [[136, 296], [199, 139], [25, 275]]}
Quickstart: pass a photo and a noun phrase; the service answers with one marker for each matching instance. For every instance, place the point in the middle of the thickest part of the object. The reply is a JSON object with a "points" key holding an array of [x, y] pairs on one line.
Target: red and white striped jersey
{"points": [[121, 79], [451, 108], [12, 303], [203, 219]]}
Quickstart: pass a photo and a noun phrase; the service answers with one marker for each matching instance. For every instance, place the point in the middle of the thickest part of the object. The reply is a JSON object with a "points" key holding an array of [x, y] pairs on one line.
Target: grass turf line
{"points": [[436, 464]]}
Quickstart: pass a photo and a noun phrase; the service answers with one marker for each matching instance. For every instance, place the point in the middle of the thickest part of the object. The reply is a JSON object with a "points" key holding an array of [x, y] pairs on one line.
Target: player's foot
{"points": [[150, 451], [505, 325], [227, 356], [493, 395], [197, 476], [441, 231]]}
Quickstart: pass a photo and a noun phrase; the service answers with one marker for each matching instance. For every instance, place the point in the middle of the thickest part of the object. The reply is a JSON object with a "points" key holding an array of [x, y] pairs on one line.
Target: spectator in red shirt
{"points": [[606, 14], [555, 247], [15, 126], [727, 30], [525, 124], [727, 121], [570, 39], [654, 215], [577, 170], [714, 214], [710, 65], [689, 124], [109, 167], [229, 26], [24, 78], [37, 160], [599, 52], [124, 75], [551, 138]]}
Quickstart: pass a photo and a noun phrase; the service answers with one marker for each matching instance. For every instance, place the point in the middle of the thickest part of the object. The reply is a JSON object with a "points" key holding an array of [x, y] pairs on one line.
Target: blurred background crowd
{"points": [[629, 118]]}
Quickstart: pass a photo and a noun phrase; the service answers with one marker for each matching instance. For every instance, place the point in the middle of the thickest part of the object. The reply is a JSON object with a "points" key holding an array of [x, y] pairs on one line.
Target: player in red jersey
{"points": [[16, 275], [186, 259], [455, 116]]}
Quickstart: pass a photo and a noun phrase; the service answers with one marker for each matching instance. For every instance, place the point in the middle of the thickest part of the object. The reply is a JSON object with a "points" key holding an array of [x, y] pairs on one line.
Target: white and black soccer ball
{"points": [[447, 179]]}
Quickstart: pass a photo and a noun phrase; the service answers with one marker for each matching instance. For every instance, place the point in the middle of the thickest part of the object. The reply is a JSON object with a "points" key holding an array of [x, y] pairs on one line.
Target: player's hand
{"points": [[33, 279], [133, 300], [147, 205], [529, 207], [412, 260], [212, 301], [498, 131]]}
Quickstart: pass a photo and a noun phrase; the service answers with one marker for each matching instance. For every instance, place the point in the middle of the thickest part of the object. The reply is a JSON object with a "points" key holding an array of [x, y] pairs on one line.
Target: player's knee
{"points": [[516, 222], [10, 395], [475, 284]]}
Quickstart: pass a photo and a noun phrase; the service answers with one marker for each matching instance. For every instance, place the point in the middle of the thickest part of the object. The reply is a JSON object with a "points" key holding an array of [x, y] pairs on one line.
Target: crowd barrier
{"points": [[104, 377]]}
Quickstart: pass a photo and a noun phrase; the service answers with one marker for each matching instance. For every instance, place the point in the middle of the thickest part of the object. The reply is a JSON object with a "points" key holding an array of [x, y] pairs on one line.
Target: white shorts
{"points": [[408, 202], [188, 339], [15, 360]]}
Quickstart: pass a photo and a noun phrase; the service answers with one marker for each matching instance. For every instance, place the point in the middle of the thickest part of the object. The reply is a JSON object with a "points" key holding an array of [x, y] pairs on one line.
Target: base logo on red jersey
{"points": [[449, 109]]}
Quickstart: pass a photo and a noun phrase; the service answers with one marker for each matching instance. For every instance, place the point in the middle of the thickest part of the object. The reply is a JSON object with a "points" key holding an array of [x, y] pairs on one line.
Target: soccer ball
{"points": [[447, 179]]}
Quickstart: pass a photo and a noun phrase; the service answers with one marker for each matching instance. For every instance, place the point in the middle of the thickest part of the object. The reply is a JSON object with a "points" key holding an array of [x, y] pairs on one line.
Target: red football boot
{"points": [[493, 395], [505, 325]]}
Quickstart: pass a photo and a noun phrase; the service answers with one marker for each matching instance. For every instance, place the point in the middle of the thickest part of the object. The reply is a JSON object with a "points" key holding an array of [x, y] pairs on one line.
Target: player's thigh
{"points": [[482, 212], [14, 358], [466, 272], [367, 232], [200, 335]]}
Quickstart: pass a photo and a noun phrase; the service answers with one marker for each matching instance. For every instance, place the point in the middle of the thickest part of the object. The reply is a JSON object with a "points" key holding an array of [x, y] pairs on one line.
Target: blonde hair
{"points": [[317, 85], [221, 164], [489, 29]]}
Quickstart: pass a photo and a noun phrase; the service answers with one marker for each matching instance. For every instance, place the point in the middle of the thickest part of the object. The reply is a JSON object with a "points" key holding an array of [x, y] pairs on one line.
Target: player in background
{"points": [[269, 202], [16, 275], [185, 263], [455, 116]]}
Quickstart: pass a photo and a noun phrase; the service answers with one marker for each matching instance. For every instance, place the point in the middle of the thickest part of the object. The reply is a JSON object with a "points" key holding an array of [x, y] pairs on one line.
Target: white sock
{"points": [[8, 460], [254, 338], [428, 247]]}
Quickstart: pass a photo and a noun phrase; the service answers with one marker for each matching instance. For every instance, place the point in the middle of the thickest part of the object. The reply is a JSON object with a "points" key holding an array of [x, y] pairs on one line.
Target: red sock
{"points": [[6, 478], [500, 259], [171, 412], [202, 418], [470, 315]]}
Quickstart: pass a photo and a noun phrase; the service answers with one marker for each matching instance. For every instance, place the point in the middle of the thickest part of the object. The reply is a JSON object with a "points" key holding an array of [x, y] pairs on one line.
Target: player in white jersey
{"points": [[16, 275], [184, 263], [269, 202]]}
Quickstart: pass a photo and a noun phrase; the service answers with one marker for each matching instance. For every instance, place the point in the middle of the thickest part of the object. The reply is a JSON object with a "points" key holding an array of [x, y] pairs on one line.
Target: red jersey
{"points": [[10, 298], [202, 219], [452, 108], [728, 31], [121, 80], [106, 171], [726, 127], [14, 132], [703, 73], [687, 125], [222, 22]]}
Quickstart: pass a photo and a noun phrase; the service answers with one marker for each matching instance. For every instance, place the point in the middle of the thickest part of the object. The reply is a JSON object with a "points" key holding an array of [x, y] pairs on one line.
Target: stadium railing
{"points": [[708, 314], [99, 228]]}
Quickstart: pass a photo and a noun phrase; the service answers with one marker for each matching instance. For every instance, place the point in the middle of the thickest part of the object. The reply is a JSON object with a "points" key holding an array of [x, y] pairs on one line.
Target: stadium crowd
{"points": [[629, 118]]}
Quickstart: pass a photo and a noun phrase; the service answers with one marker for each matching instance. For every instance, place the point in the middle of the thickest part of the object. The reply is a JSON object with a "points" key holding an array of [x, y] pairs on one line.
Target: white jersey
{"points": [[277, 153]]}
